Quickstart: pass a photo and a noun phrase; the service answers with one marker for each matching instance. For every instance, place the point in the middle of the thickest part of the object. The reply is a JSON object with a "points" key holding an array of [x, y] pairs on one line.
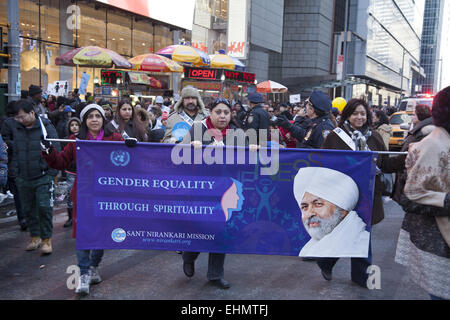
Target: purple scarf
{"points": [[99, 136]]}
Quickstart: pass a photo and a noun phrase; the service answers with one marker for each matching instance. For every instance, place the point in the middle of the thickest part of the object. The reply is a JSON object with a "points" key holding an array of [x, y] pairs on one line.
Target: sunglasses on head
{"points": [[222, 100]]}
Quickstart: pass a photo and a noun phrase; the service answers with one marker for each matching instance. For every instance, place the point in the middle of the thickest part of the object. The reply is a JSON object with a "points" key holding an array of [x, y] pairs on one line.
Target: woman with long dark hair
{"points": [[92, 128], [355, 133], [127, 123]]}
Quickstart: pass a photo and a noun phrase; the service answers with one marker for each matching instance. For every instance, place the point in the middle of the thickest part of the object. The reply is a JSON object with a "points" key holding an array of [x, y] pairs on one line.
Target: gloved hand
{"points": [[283, 122], [46, 145], [130, 142], [197, 144]]}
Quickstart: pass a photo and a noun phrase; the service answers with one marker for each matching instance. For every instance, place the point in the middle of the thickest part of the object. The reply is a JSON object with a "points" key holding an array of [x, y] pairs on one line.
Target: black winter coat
{"points": [[27, 159]]}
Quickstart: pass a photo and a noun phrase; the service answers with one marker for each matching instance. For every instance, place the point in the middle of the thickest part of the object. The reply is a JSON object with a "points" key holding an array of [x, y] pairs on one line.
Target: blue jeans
{"points": [[88, 258], [358, 267], [70, 181]]}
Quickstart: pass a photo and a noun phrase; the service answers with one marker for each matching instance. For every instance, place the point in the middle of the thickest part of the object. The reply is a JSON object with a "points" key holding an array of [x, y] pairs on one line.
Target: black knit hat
{"points": [[441, 109], [32, 90]]}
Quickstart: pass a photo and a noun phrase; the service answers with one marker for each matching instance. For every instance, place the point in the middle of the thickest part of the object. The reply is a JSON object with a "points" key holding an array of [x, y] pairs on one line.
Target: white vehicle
{"points": [[409, 104]]}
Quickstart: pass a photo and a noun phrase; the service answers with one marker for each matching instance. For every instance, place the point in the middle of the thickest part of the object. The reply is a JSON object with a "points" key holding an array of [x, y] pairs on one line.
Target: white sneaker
{"points": [[94, 275], [10, 195], [83, 284]]}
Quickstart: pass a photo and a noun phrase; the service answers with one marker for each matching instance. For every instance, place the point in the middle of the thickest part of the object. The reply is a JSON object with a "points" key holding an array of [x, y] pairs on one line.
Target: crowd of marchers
{"points": [[30, 165]]}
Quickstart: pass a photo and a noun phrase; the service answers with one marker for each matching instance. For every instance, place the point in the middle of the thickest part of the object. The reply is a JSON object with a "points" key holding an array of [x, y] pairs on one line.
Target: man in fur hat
{"points": [[189, 109]]}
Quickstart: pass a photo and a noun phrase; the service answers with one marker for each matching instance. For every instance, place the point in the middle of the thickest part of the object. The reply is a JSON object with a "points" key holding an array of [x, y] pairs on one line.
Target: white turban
{"points": [[328, 184]]}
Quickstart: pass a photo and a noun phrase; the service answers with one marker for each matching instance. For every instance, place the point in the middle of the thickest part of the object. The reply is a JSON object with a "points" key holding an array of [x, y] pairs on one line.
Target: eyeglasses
{"points": [[21, 117]]}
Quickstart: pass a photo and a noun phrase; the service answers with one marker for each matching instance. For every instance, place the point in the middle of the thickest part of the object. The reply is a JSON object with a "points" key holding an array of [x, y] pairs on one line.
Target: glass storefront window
{"points": [[142, 38], [49, 70], [3, 14], [221, 9], [119, 33], [49, 21], [93, 27], [28, 18], [101, 27], [163, 37]]}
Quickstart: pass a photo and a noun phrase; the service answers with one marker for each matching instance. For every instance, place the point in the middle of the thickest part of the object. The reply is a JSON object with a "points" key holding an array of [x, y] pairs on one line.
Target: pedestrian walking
{"points": [[423, 245], [355, 133], [35, 179], [214, 130], [92, 128]]}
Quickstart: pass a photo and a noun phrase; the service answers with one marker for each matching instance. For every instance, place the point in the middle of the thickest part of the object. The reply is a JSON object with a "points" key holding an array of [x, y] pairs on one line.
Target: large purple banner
{"points": [[166, 197]]}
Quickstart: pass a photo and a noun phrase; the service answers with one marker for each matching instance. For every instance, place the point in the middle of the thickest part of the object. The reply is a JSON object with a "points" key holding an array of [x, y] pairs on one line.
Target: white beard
{"points": [[326, 225]]}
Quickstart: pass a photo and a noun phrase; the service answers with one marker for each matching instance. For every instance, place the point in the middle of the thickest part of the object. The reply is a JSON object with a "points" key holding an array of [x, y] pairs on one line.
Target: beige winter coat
{"points": [[175, 117], [385, 131], [428, 170]]}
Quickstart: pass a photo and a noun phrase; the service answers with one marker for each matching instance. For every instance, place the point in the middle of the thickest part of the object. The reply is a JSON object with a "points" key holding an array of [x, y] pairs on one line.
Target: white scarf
{"points": [[348, 239]]}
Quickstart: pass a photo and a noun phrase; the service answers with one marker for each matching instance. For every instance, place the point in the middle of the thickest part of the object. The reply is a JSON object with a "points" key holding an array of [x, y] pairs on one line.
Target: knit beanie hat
{"points": [[90, 107]]}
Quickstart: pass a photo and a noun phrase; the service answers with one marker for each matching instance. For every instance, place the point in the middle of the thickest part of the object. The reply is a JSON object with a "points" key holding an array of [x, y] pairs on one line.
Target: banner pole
{"points": [[60, 140], [391, 152], [379, 152]]}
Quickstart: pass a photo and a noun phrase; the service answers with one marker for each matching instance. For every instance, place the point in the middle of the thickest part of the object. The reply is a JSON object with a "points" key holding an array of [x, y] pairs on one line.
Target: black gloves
{"points": [[46, 145], [422, 209], [283, 122], [130, 142]]}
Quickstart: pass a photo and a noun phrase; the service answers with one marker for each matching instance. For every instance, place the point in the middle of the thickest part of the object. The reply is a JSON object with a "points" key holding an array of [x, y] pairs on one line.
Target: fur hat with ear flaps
{"points": [[142, 115], [190, 91]]}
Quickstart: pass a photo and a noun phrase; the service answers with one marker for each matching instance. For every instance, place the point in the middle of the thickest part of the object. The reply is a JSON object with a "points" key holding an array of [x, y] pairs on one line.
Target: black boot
{"points": [[23, 225], [69, 221]]}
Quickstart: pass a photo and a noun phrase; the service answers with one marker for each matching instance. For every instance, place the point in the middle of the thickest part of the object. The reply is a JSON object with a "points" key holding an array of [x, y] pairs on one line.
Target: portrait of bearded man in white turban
{"points": [[327, 199]]}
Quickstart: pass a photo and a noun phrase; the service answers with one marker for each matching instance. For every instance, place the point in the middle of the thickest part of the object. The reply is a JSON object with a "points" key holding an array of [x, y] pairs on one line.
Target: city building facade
{"points": [[49, 28], [382, 60], [430, 58]]}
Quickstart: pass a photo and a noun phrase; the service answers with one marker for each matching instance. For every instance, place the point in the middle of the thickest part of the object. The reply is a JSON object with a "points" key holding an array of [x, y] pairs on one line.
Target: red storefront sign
{"points": [[202, 73]]}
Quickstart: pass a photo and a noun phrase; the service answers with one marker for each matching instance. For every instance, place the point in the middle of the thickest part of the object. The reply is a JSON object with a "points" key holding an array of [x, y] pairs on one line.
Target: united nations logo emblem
{"points": [[120, 158], [118, 235]]}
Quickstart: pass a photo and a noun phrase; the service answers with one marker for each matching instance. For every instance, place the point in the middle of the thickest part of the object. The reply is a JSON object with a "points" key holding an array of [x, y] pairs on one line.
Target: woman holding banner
{"points": [[92, 128], [354, 132], [214, 130], [127, 123]]}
